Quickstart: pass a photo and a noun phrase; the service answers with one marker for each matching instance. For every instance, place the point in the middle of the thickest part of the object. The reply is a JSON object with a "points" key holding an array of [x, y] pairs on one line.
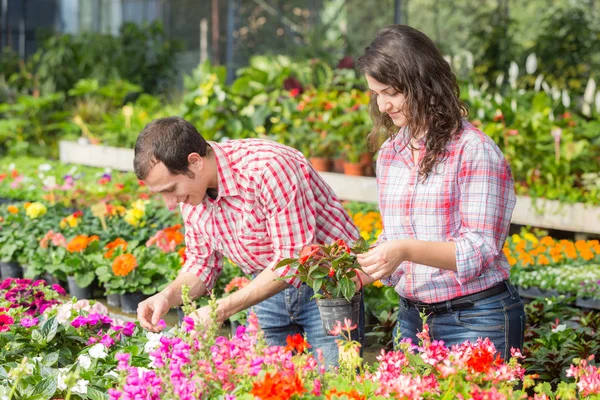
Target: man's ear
{"points": [[195, 162]]}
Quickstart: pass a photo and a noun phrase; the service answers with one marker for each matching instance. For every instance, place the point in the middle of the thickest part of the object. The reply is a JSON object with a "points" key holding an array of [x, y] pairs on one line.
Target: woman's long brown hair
{"points": [[407, 60]]}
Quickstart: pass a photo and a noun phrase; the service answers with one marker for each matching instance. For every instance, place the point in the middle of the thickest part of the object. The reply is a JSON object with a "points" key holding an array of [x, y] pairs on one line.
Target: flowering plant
{"points": [[328, 269], [49, 257], [19, 226], [84, 255], [126, 268]]}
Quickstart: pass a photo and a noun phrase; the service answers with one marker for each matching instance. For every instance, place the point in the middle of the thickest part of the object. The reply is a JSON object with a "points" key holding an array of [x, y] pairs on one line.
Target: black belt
{"points": [[459, 303]]}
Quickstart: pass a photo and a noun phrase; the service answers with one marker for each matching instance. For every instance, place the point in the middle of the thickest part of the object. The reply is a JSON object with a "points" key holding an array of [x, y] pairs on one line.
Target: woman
{"points": [[446, 196]]}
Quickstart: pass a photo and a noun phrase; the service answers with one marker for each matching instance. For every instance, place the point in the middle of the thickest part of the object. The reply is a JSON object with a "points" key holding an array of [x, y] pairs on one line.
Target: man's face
{"points": [[178, 188]]}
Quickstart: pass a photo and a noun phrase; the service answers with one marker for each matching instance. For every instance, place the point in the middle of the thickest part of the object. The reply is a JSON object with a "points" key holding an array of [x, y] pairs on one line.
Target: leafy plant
{"points": [[328, 269]]}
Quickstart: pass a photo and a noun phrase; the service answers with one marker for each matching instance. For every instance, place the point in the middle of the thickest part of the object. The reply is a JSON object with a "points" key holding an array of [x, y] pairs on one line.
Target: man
{"points": [[253, 201]]}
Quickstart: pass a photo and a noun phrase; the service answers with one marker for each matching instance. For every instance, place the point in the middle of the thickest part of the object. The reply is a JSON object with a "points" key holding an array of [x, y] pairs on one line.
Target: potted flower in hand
{"points": [[330, 270]]}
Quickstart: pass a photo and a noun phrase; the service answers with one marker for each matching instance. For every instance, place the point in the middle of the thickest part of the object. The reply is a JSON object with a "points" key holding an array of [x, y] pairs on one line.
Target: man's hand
{"points": [[381, 261], [150, 311]]}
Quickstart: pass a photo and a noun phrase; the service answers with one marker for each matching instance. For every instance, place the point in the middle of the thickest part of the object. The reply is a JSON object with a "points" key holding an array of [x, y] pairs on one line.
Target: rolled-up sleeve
{"points": [[201, 259], [487, 200], [289, 205]]}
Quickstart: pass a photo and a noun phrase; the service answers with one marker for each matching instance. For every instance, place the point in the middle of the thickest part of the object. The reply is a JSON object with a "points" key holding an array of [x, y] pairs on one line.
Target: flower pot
{"points": [[77, 291], [50, 279], [530, 293], [11, 269], [354, 169], [113, 299], [130, 301], [320, 163], [592, 304], [333, 310], [338, 165]]}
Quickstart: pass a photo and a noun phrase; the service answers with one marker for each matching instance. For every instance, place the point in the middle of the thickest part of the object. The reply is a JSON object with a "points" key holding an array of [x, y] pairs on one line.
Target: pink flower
{"points": [[5, 322], [59, 289], [29, 322]]}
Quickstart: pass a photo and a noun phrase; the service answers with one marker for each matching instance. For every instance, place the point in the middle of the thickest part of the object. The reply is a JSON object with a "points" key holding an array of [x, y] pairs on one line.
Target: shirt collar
{"points": [[225, 172], [402, 140]]}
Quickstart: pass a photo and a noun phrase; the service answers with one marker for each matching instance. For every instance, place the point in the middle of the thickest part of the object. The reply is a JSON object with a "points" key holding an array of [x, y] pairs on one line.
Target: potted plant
{"points": [[84, 255], [137, 273], [329, 270], [18, 240], [48, 259]]}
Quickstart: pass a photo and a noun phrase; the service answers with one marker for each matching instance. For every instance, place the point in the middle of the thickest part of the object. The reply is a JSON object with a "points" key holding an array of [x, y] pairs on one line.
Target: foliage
{"points": [[328, 269]]}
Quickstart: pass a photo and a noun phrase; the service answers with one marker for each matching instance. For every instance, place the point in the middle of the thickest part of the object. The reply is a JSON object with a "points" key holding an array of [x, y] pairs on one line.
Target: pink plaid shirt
{"points": [[469, 199], [271, 203]]}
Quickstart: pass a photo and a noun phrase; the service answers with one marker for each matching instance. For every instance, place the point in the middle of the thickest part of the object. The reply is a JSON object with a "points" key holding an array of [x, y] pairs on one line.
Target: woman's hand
{"points": [[381, 261]]}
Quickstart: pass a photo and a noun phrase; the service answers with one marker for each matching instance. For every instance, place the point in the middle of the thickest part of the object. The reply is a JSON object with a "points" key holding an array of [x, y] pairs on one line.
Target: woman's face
{"points": [[389, 101]]}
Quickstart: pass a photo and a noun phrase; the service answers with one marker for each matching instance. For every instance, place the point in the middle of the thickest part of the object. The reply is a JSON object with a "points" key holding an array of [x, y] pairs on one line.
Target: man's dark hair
{"points": [[168, 140]]}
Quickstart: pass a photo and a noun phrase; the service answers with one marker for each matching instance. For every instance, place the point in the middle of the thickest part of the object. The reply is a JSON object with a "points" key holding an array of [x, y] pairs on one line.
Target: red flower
{"points": [[5, 322], [296, 342], [119, 186], [294, 92], [307, 252], [346, 63], [343, 245], [15, 173], [292, 83], [276, 386], [331, 272], [78, 214]]}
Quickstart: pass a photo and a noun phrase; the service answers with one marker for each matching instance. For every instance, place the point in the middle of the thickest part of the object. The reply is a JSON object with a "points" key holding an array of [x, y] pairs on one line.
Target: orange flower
{"points": [[349, 395], [181, 252], [236, 283], [276, 386], [124, 264], [297, 342], [543, 260], [12, 209], [112, 246], [174, 234], [80, 243]]}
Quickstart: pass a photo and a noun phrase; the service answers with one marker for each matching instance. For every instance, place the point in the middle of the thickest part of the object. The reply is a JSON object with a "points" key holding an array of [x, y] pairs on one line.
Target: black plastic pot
{"points": [[113, 300], [11, 270], [78, 292], [130, 301], [333, 310]]}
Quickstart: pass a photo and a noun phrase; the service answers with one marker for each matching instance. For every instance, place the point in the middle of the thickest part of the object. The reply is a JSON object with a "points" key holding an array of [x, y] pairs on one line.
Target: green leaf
{"points": [[50, 359], [316, 285], [85, 279], [36, 336], [348, 288], [46, 388], [49, 329], [96, 394], [284, 262]]}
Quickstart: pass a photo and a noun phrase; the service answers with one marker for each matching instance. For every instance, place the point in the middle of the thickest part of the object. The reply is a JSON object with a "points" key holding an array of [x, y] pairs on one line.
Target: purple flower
{"points": [[29, 322], [128, 329], [92, 340], [39, 282], [79, 322]]}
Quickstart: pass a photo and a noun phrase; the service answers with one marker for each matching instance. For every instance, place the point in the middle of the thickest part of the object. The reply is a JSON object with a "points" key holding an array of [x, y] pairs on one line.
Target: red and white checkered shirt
{"points": [[271, 203], [468, 199]]}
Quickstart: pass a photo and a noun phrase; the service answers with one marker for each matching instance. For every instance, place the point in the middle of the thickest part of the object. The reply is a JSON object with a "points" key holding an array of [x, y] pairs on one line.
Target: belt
{"points": [[458, 303]]}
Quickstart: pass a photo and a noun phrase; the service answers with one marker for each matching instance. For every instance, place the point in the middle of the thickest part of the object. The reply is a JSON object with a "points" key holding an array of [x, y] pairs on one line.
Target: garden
{"points": [[83, 241]]}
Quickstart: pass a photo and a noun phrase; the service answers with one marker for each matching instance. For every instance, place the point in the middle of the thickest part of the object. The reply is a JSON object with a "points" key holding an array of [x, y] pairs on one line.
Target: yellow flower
{"points": [[36, 210], [133, 216], [365, 235], [378, 284], [531, 238], [71, 220], [516, 238]]}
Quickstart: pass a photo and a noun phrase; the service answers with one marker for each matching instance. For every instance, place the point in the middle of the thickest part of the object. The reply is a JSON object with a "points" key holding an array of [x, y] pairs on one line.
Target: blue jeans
{"points": [[292, 311], [501, 318]]}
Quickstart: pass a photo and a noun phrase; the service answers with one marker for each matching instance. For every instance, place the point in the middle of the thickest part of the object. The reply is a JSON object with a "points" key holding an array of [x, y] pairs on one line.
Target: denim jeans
{"points": [[292, 311], [501, 318]]}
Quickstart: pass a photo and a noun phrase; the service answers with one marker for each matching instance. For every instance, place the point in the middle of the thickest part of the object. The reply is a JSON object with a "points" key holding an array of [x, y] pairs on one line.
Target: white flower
{"points": [[81, 386], [513, 70], [45, 167], [64, 313], [559, 328], [49, 181], [499, 80], [112, 373], [11, 166], [531, 64], [62, 378], [153, 341], [98, 351], [538, 82], [513, 105], [566, 99], [590, 90], [85, 361], [99, 308]]}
